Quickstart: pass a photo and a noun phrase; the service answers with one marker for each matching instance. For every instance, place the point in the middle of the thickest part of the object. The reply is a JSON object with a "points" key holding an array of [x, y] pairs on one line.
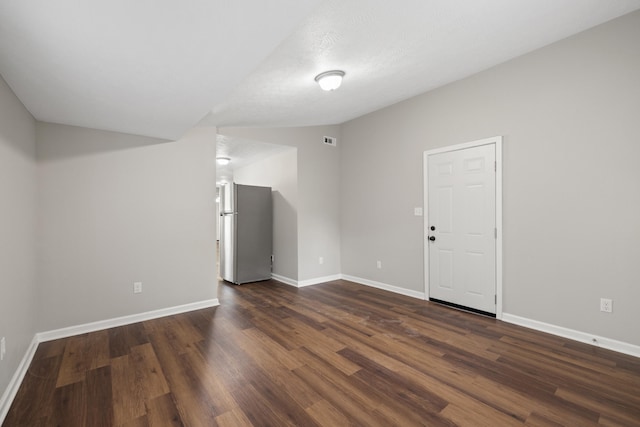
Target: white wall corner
{"points": [[304, 283], [16, 380], [285, 280], [318, 280], [12, 389], [595, 340]]}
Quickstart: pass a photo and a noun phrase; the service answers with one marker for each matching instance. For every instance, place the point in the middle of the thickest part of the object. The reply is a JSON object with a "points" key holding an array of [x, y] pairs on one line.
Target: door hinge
{"points": [[495, 166], [495, 233], [495, 299]]}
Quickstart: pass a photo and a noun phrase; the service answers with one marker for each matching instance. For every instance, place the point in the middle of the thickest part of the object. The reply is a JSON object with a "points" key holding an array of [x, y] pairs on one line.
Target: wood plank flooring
{"points": [[335, 354]]}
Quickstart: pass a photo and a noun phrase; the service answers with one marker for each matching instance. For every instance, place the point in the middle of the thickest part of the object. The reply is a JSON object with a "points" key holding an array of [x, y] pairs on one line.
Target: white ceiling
{"points": [[158, 67], [394, 50], [148, 67], [242, 152]]}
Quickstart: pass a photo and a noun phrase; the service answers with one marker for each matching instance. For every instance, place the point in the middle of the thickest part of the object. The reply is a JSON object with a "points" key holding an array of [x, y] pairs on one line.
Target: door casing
{"points": [[497, 141]]}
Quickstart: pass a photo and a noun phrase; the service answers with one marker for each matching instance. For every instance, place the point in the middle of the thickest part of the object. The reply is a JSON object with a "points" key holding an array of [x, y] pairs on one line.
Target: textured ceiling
{"points": [[156, 68], [145, 67], [393, 50]]}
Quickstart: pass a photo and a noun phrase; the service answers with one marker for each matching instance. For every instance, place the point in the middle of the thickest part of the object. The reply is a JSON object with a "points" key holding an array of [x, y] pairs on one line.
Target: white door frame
{"points": [[497, 141]]}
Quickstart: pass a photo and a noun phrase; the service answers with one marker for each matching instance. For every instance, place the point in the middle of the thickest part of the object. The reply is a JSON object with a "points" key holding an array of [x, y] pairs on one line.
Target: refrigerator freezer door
{"points": [[227, 234]]}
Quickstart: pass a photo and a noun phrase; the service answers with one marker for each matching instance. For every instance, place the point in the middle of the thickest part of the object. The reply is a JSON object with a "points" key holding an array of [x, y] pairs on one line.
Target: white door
{"points": [[461, 226]]}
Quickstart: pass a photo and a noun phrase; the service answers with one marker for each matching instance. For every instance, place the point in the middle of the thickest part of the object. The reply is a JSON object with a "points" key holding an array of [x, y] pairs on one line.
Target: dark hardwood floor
{"points": [[335, 354]]}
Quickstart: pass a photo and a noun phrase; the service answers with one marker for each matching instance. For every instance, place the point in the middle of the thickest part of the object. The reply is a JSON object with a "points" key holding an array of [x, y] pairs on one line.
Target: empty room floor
{"points": [[335, 354]]}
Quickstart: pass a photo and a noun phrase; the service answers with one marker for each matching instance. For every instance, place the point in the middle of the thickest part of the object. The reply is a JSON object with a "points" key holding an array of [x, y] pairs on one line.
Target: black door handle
{"points": [[432, 238]]}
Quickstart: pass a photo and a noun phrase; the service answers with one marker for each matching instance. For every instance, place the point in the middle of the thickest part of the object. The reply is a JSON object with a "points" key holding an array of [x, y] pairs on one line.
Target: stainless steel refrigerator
{"points": [[246, 235]]}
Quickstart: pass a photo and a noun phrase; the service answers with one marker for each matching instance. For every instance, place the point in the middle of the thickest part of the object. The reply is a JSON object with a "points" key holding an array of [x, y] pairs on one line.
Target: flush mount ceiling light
{"points": [[330, 80], [223, 160]]}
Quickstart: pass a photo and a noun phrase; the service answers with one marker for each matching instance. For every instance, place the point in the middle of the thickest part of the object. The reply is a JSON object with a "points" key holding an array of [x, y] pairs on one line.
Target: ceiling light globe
{"points": [[330, 80], [223, 161]]}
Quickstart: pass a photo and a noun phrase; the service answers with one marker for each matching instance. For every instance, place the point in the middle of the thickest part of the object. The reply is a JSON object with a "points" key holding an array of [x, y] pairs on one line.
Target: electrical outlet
{"points": [[3, 347], [606, 305], [379, 264], [321, 260], [137, 287]]}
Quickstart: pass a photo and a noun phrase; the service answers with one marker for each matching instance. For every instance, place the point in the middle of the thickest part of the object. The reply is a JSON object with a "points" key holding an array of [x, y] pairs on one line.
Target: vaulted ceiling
{"points": [[158, 68]]}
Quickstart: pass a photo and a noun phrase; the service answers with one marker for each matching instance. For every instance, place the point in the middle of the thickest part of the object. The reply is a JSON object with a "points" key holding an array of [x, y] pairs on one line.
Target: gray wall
{"points": [[17, 231], [280, 172], [569, 114], [318, 193], [115, 209]]}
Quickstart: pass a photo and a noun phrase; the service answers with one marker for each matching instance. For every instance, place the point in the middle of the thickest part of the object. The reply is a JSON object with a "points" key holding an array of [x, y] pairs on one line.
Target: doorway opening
{"points": [[256, 163]]}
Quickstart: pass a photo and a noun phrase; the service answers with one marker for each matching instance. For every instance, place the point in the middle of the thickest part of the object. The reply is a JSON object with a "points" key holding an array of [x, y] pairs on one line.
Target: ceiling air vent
{"points": [[330, 140]]}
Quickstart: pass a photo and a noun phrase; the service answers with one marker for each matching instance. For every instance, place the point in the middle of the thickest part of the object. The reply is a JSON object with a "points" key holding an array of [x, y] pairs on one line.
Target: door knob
{"points": [[433, 228], [432, 238]]}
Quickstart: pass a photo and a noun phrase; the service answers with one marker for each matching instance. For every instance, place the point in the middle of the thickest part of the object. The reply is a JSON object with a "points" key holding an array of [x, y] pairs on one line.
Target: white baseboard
{"points": [[385, 286], [318, 280], [285, 280], [608, 343], [14, 384], [366, 282], [303, 283], [12, 389], [603, 342], [124, 320]]}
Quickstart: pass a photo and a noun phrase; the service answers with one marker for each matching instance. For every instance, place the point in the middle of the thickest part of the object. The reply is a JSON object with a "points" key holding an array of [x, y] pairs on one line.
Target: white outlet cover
{"points": [[417, 211], [137, 287], [606, 305]]}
